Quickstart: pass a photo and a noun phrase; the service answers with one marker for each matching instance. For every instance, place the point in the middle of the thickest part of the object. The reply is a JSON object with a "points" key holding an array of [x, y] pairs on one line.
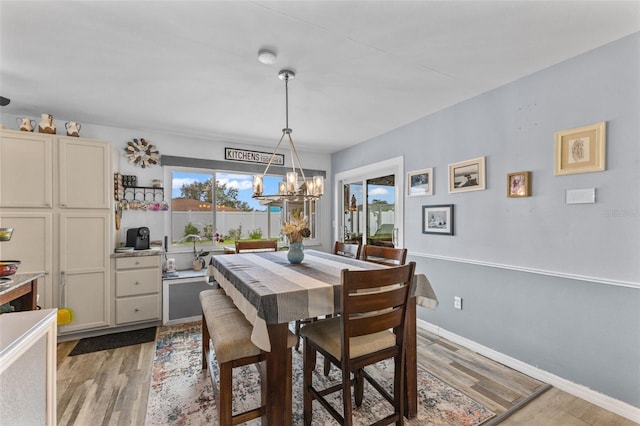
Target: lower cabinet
{"points": [[138, 289]]}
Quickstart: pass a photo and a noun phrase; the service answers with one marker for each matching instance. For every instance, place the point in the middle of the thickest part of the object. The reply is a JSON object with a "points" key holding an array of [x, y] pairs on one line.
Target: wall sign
{"points": [[248, 156]]}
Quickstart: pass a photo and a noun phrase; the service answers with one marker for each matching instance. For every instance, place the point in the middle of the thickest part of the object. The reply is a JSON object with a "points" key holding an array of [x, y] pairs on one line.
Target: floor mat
{"points": [[112, 341], [181, 393]]}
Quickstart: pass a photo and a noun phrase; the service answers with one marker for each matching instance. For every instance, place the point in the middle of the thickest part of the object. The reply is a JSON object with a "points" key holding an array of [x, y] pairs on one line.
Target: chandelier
{"points": [[295, 186]]}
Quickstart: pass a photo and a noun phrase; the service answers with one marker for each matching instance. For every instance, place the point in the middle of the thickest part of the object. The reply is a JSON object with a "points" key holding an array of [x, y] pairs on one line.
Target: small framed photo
{"points": [[519, 184], [420, 182], [581, 150], [467, 175], [437, 219]]}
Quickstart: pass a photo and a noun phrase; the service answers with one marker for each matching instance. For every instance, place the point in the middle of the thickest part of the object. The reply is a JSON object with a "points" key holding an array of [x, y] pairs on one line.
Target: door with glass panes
{"points": [[369, 213]]}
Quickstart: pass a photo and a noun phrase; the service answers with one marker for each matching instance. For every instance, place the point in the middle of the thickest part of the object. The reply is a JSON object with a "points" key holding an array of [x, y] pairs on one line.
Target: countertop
{"points": [[18, 280], [154, 251], [16, 327]]}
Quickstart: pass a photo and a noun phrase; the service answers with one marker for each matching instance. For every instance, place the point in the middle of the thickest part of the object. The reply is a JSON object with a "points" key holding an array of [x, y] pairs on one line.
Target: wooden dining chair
{"points": [[341, 249], [252, 246], [370, 329], [384, 255], [347, 250]]}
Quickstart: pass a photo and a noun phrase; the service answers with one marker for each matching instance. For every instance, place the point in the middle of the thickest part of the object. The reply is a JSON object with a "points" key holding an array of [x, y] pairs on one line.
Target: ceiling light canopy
{"points": [[295, 187], [267, 57]]}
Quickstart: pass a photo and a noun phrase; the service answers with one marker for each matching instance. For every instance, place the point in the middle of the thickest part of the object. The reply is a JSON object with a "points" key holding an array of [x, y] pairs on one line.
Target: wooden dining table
{"points": [[271, 293]]}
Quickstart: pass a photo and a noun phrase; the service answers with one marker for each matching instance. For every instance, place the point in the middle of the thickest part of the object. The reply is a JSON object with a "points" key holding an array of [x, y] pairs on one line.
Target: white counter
{"points": [[28, 367]]}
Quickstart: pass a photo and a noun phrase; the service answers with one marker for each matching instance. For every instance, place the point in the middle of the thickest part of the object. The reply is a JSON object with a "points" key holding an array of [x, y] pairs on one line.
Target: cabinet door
{"points": [[26, 176], [32, 245], [85, 173], [84, 268]]}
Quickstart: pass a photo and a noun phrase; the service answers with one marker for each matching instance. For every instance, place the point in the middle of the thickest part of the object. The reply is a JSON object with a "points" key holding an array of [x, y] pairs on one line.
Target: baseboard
{"points": [[183, 320], [601, 400], [109, 330]]}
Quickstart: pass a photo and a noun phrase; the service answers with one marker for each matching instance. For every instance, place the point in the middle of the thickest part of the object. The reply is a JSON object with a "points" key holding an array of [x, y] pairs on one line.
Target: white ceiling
{"points": [[363, 68]]}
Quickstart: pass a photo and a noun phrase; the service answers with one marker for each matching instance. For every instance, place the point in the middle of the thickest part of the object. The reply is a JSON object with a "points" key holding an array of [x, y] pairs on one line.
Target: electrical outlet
{"points": [[457, 302]]}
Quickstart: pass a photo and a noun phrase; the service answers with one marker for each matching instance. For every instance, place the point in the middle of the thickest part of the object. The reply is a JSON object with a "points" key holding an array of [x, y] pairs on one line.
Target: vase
{"points": [[295, 254], [198, 264]]}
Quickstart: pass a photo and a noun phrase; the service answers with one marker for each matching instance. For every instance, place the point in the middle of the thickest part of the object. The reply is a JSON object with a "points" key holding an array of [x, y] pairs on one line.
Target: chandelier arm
{"points": [[295, 154], [273, 155]]}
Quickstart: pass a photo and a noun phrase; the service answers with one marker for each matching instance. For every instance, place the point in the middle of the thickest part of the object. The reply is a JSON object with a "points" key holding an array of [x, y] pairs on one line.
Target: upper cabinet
{"points": [[26, 170], [33, 164], [84, 173]]}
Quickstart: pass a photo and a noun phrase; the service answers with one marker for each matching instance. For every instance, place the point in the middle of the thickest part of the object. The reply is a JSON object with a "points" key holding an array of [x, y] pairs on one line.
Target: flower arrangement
{"points": [[296, 229]]}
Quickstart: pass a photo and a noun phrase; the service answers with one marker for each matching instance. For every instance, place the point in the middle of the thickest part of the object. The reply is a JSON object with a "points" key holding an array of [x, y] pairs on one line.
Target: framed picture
{"points": [[420, 182], [467, 175], [581, 150], [437, 219], [519, 184]]}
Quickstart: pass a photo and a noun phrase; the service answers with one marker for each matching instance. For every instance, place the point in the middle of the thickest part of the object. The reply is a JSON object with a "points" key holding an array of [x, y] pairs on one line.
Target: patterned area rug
{"points": [[181, 393]]}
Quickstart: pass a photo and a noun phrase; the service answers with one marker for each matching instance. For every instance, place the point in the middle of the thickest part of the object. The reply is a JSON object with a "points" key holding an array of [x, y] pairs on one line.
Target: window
{"points": [[219, 214]]}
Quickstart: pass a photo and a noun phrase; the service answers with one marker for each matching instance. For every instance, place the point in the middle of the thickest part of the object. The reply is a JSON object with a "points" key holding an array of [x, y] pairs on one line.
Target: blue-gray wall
{"points": [[556, 286]]}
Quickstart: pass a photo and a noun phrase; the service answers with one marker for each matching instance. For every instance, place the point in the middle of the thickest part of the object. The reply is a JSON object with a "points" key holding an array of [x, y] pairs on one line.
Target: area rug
{"points": [[115, 340], [181, 393]]}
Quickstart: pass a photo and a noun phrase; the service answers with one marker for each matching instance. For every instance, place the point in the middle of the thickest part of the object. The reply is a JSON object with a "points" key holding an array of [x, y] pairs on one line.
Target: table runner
{"points": [[270, 290]]}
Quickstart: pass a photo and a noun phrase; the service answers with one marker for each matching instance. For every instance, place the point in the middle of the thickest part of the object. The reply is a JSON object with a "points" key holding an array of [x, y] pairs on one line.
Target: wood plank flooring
{"points": [[112, 387]]}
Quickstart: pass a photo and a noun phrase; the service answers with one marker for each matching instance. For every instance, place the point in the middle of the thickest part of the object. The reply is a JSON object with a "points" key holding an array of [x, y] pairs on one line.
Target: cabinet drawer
{"points": [[139, 308], [137, 281], [137, 262]]}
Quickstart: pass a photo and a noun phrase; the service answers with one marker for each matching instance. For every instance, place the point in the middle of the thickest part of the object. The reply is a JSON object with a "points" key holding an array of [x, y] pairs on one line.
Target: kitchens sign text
{"points": [[248, 156]]}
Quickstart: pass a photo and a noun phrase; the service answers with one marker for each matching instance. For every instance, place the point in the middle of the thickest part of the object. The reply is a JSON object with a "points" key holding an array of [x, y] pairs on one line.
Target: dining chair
{"points": [[384, 255], [252, 246], [341, 249], [347, 250], [370, 329]]}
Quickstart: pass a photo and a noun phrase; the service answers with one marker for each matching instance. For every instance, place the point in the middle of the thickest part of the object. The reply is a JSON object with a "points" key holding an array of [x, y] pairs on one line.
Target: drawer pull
{"points": [[136, 310], [136, 283]]}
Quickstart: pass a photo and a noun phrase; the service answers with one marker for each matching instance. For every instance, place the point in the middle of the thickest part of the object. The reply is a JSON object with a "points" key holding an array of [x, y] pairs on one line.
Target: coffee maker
{"points": [[138, 238]]}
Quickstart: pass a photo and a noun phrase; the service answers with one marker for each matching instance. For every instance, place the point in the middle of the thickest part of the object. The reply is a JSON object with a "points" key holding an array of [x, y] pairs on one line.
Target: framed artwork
{"points": [[581, 150], [437, 219], [519, 184], [420, 182], [467, 175]]}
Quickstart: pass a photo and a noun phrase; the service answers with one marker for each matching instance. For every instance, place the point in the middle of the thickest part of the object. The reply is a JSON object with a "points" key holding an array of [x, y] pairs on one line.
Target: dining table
{"points": [[271, 293]]}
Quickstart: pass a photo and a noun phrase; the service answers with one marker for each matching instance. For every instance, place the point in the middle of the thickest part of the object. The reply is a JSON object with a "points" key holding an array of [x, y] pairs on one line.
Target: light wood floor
{"points": [[112, 387]]}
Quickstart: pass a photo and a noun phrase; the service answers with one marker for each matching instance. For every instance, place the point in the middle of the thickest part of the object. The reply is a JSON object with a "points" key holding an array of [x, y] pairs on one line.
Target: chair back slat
{"points": [[262, 245], [347, 250], [368, 302], [383, 320], [384, 255]]}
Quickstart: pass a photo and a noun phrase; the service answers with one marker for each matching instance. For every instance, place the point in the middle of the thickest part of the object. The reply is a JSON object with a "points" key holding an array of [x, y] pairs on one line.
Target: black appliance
{"points": [[138, 238]]}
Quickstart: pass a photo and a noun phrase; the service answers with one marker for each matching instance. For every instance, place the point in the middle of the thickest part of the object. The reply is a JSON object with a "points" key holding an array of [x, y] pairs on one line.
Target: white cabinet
{"points": [[85, 174], [56, 192], [26, 170], [84, 268], [32, 244], [138, 289]]}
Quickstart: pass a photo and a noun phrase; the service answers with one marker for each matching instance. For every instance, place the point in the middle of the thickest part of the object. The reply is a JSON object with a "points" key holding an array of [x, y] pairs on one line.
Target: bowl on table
{"points": [[8, 267]]}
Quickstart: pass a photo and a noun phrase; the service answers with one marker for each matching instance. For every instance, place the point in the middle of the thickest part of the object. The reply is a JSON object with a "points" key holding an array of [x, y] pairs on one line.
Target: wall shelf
{"points": [[143, 193]]}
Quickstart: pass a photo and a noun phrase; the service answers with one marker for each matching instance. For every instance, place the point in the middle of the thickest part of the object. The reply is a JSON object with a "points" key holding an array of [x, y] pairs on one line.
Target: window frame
{"points": [[169, 170]]}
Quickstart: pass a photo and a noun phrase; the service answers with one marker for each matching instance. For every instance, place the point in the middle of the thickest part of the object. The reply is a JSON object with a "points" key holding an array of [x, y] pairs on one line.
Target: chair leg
{"points": [[309, 357], [359, 388], [346, 396], [224, 394], [327, 366], [297, 332], [205, 342]]}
